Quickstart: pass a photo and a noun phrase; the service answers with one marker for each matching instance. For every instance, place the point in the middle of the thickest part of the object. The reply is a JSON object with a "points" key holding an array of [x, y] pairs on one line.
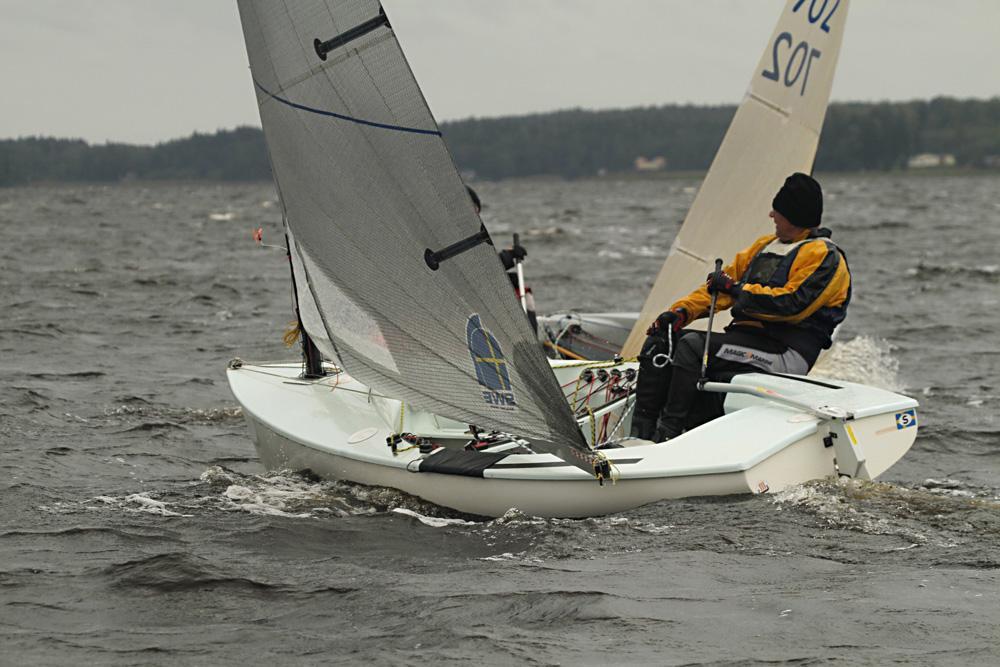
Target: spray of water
{"points": [[864, 360]]}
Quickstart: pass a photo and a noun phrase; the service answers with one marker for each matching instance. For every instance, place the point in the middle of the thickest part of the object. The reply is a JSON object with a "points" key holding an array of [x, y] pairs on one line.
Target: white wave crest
{"points": [[433, 521], [271, 502], [277, 494], [141, 502], [864, 360]]}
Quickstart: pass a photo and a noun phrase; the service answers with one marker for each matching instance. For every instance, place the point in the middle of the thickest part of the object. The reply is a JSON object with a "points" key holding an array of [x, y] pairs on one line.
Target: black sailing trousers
{"points": [[668, 401]]}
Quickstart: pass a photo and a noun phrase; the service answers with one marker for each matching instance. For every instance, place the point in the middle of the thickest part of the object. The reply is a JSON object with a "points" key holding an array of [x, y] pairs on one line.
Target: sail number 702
{"points": [[815, 14], [798, 65]]}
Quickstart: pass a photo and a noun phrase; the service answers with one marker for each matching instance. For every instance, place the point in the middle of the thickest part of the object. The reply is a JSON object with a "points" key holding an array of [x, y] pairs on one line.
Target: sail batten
{"points": [[770, 105], [693, 255], [367, 186], [774, 133]]}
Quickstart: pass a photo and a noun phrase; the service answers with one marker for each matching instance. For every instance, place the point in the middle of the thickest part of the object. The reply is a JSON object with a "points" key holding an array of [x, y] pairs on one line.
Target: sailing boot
{"points": [[643, 426]]}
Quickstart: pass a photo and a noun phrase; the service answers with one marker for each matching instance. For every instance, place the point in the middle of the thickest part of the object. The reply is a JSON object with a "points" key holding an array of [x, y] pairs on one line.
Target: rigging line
{"points": [[598, 363], [621, 419], [594, 341], [564, 351], [331, 114], [604, 427], [569, 323]]}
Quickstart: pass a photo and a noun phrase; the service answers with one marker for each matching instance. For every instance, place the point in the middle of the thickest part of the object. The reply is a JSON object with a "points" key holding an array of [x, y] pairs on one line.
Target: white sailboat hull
{"points": [[337, 429]]}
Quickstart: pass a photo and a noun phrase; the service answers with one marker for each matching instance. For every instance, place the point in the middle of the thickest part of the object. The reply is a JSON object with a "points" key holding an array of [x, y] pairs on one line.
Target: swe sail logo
{"points": [[490, 365]]}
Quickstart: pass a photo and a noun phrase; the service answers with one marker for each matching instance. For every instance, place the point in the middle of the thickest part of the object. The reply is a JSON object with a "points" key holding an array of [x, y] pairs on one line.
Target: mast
{"points": [[311, 357]]}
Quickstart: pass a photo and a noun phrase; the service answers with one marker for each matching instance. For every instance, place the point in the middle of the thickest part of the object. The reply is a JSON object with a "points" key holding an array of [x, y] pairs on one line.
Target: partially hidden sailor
{"points": [[510, 257], [788, 292]]}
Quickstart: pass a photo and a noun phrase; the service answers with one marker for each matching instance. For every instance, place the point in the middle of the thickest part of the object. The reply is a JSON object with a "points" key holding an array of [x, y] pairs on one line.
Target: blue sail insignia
{"points": [[490, 364]]}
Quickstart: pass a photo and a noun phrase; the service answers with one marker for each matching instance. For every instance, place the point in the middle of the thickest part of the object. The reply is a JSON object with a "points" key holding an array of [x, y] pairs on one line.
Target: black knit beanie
{"points": [[800, 200]]}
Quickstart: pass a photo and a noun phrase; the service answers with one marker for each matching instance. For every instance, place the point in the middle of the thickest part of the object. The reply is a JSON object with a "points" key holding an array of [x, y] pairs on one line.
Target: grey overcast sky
{"points": [[142, 71]]}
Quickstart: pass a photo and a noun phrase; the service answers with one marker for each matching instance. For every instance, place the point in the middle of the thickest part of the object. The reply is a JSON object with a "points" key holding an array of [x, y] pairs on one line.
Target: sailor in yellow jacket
{"points": [[788, 291]]}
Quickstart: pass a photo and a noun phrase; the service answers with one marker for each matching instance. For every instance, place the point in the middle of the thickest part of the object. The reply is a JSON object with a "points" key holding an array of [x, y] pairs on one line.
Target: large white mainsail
{"points": [[368, 186], [775, 132]]}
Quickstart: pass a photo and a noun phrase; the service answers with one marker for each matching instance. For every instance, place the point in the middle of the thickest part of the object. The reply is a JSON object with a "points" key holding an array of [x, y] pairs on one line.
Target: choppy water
{"points": [[136, 526]]}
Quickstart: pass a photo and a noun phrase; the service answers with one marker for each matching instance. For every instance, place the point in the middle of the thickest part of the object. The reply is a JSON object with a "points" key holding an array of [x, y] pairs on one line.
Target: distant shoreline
{"points": [[944, 135], [948, 172]]}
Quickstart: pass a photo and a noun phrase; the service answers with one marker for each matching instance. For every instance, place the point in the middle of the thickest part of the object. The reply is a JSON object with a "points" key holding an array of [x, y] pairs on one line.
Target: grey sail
{"points": [[368, 186]]}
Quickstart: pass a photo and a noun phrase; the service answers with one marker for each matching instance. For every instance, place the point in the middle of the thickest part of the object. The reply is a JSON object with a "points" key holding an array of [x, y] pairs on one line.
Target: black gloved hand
{"points": [[518, 252], [720, 281], [671, 319]]}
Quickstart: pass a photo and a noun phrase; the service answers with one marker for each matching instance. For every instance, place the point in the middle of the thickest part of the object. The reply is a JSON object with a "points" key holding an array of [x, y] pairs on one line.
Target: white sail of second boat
{"points": [[774, 133]]}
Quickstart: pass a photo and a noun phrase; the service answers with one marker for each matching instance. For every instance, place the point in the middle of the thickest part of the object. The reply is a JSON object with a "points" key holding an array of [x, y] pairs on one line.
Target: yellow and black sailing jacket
{"points": [[796, 292]]}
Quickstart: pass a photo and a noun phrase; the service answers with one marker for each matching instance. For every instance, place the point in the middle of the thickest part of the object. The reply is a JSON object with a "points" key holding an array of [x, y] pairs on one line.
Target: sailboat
{"points": [[421, 370]]}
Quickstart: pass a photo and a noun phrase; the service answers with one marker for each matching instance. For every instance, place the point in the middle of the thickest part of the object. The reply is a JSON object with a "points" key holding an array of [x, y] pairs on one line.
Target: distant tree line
{"points": [[856, 137], [228, 155], [572, 144]]}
